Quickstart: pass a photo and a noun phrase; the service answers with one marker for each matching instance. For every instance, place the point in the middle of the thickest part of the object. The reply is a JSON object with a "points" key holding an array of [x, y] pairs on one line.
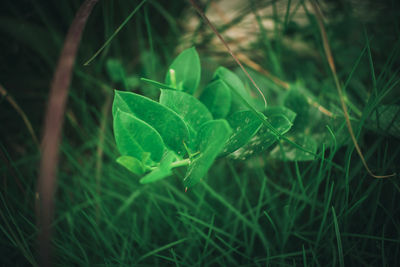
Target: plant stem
{"points": [[180, 163], [53, 128], [176, 164]]}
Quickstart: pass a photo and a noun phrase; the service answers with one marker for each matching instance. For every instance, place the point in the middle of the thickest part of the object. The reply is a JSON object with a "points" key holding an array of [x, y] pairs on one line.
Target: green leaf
{"points": [[288, 152], [234, 82], [157, 84], [186, 71], [189, 108], [217, 97], [297, 102], [115, 70], [281, 110], [162, 171], [212, 138], [134, 137], [264, 138], [165, 121], [281, 123], [245, 125], [132, 164]]}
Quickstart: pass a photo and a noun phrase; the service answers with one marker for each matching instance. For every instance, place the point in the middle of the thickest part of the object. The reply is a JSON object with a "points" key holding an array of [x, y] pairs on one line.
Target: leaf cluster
{"points": [[182, 130]]}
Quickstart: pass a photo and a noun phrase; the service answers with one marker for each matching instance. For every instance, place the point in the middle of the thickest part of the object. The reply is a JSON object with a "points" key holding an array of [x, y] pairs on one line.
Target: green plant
{"points": [[267, 210], [181, 130]]}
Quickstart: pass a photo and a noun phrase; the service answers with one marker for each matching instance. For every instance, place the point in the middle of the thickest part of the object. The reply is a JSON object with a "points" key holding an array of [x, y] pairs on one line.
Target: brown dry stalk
{"points": [[328, 54], [18, 109], [53, 126], [279, 82], [260, 69], [204, 17]]}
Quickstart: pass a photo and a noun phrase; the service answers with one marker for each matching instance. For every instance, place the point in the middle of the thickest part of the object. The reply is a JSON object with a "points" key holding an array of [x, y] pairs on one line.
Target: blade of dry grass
{"points": [[328, 54], [18, 109], [279, 82]]}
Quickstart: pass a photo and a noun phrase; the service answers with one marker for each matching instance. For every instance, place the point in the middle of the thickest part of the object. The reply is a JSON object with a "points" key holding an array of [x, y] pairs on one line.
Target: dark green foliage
{"points": [[211, 140], [217, 97], [386, 118], [265, 137], [297, 102], [245, 125], [267, 210], [181, 121], [287, 152], [115, 70]]}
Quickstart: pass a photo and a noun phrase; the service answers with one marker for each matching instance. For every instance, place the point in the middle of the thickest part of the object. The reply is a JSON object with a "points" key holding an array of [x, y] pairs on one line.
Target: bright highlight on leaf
{"points": [[186, 71]]}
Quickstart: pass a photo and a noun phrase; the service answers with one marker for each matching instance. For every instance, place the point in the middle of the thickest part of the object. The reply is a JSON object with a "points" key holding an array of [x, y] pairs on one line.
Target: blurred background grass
{"points": [[257, 212]]}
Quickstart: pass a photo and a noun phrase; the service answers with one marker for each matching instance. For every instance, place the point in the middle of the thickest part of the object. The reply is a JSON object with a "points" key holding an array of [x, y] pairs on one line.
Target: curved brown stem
{"points": [[52, 129]]}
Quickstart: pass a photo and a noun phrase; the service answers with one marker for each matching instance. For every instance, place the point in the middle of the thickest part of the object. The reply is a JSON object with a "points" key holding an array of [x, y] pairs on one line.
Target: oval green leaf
{"points": [[235, 83], [132, 164], [281, 110], [245, 125], [217, 98], [135, 137], [264, 138], [185, 71], [189, 108], [165, 121], [212, 138]]}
